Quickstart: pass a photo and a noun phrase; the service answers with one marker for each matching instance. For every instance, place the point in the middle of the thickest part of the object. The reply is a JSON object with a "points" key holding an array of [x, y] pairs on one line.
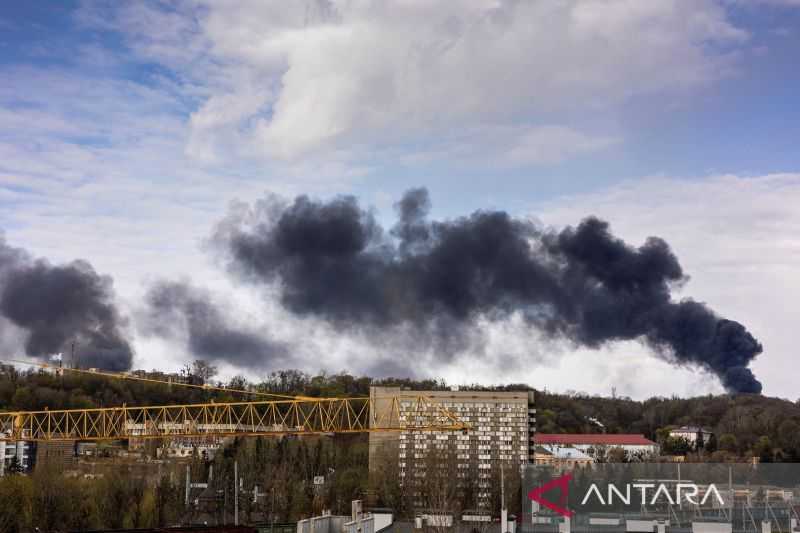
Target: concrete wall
{"points": [[322, 524]]}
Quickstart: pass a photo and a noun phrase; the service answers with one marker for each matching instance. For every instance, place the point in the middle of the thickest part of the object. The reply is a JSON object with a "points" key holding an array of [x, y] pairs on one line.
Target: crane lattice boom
{"points": [[303, 416]]}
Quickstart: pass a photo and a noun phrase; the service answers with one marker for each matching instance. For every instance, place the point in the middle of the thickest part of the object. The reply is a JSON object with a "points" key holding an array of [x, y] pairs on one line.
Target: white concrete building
{"points": [[21, 451], [598, 445], [691, 434]]}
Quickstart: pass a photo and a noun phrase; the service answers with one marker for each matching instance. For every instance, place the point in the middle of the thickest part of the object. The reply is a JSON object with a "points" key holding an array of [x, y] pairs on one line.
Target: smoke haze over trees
{"points": [[334, 261], [179, 309]]}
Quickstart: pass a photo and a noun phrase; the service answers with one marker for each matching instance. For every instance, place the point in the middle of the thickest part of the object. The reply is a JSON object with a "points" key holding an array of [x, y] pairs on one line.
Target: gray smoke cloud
{"points": [[58, 305], [181, 310], [332, 260]]}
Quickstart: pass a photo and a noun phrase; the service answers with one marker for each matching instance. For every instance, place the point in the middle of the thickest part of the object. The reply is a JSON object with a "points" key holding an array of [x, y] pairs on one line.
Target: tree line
{"points": [[744, 425]]}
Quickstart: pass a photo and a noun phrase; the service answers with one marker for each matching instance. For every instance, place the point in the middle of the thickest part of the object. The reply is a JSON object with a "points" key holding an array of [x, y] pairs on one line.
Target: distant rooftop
{"points": [[618, 439], [691, 429]]}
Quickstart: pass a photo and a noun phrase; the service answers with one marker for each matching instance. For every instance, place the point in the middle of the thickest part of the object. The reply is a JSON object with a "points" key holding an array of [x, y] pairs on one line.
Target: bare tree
{"points": [[203, 371]]}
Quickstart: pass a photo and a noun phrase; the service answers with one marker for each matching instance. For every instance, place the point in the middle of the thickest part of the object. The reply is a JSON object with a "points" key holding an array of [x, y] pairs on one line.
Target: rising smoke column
{"points": [[56, 305], [334, 261]]}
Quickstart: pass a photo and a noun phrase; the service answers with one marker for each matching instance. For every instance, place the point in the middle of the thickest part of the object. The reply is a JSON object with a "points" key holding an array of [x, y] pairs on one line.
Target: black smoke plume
{"points": [[58, 305], [334, 261], [180, 310]]}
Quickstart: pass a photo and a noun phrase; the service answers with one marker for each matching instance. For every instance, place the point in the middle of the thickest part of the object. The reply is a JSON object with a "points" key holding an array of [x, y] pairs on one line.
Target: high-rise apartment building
{"points": [[501, 437]]}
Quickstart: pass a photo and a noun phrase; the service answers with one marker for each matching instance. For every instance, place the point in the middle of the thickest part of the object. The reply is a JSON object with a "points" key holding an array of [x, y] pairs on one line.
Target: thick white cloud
{"points": [[285, 79]]}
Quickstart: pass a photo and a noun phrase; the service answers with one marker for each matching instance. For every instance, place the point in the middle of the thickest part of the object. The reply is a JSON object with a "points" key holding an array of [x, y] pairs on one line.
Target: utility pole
{"points": [[272, 527], [503, 510], [186, 501], [236, 493]]}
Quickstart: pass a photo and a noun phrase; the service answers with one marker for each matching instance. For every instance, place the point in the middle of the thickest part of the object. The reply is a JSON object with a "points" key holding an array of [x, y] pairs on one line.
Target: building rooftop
{"points": [[564, 452], [690, 429], [619, 439]]}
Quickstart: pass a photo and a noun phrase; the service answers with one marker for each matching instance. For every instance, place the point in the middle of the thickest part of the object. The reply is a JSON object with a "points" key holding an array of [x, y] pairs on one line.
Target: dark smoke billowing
{"points": [[178, 309], [334, 261], [58, 305]]}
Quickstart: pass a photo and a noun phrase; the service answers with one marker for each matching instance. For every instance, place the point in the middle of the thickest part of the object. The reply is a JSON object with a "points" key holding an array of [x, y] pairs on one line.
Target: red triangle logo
{"points": [[562, 483]]}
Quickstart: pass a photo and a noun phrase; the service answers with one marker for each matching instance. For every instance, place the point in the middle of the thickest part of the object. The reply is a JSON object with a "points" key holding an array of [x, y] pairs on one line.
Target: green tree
{"points": [[50, 502], [677, 446], [168, 502], [16, 504], [711, 445], [14, 466], [763, 449], [728, 443]]}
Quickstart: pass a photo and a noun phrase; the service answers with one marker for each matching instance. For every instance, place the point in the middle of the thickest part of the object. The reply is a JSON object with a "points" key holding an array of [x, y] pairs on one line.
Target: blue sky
{"points": [[128, 128]]}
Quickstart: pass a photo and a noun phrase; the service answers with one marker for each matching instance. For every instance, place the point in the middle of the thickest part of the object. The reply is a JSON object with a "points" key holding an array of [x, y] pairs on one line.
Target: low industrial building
{"points": [[597, 446], [185, 447]]}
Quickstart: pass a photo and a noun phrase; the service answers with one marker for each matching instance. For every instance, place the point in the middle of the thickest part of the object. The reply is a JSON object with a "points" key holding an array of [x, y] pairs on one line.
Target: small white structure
{"points": [[712, 527], [369, 523], [646, 526], [437, 519], [691, 434], [358, 521], [21, 451], [327, 523], [560, 456]]}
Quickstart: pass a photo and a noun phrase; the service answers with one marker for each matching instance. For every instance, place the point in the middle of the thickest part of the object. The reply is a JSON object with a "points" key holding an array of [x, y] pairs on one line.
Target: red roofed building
{"points": [[598, 445]]}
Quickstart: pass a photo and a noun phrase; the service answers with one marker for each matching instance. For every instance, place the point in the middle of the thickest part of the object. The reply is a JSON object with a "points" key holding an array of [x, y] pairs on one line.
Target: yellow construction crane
{"points": [[285, 416]]}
